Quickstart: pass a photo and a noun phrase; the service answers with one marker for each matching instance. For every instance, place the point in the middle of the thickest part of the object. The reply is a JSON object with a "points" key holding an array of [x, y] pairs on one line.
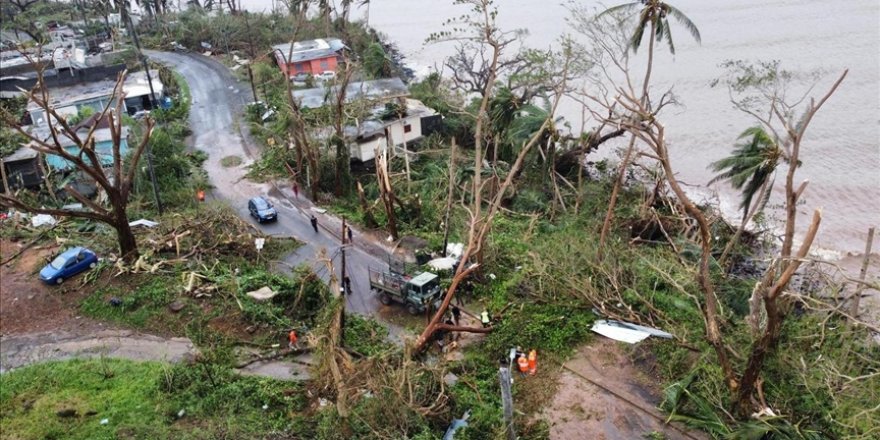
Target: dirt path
{"points": [[603, 395]]}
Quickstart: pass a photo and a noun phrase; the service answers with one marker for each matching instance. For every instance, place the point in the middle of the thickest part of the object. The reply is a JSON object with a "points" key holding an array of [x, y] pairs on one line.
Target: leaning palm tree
{"points": [[750, 169], [654, 13]]}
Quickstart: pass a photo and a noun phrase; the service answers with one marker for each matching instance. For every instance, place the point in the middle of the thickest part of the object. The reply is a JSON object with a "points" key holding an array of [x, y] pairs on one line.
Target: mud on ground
{"points": [[27, 305], [623, 408]]}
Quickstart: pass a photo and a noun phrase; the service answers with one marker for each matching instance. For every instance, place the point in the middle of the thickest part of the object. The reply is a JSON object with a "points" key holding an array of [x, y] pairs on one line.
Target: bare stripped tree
{"points": [[115, 180], [482, 21], [308, 155], [626, 107], [653, 14], [762, 91]]}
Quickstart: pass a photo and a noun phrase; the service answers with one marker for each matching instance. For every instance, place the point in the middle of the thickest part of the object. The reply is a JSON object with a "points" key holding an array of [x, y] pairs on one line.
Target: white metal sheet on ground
{"points": [[650, 330], [629, 336], [444, 263]]}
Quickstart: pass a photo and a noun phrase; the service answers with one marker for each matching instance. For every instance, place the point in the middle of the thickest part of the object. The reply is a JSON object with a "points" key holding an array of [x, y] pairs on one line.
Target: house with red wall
{"points": [[311, 56]]}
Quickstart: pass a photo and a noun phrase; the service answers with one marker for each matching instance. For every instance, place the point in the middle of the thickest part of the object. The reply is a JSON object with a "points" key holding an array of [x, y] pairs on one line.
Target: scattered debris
{"points": [[443, 263], [116, 302], [764, 412], [176, 306], [450, 379], [144, 222], [105, 421], [73, 207], [69, 412], [181, 413], [262, 294], [454, 250], [42, 219], [318, 210], [627, 332], [456, 425]]}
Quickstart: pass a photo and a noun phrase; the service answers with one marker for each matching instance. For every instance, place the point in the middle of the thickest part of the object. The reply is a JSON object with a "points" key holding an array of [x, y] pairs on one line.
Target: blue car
{"points": [[262, 210], [68, 264]]}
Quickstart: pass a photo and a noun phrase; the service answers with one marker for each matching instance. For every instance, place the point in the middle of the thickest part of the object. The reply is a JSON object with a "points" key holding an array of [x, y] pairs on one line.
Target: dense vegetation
{"points": [[556, 258]]}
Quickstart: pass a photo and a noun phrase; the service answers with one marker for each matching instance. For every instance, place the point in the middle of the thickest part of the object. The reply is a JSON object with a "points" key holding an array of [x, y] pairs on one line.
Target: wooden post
{"points": [[449, 196], [506, 398], [857, 296], [3, 177]]}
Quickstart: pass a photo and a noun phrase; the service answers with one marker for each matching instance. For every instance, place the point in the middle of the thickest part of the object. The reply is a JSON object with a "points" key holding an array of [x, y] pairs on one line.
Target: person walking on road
{"points": [[349, 235], [296, 189], [346, 285], [314, 223], [456, 314]]}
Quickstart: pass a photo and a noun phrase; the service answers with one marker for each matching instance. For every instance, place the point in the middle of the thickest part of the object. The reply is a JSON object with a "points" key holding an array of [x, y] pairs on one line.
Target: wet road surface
{"points": [[218, 100]]}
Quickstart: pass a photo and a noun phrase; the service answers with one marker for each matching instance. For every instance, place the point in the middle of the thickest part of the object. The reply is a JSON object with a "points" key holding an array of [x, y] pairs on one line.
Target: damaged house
{"points": [[27, 168], [309, 57], [394, 120]]}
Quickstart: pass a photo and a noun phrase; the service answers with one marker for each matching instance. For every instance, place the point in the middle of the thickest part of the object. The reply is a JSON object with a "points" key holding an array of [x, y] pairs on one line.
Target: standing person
{"points": [[523, 364], [346, 285], [349, 234], [292, 340], [484, 318], [456, 314], [314, 222], [296, 189], [533, 362]]}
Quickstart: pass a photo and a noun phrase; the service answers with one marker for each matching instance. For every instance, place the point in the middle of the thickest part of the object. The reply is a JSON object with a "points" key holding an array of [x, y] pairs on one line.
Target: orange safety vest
{"points": [[533, 362], [292, 337], [523, 364]]}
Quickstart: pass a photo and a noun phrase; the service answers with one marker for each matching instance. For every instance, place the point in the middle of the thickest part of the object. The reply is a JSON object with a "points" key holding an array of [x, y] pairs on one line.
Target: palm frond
{"points": [[636, 40], [751, 166], [667, 35], [684, 21], [624, 8]]}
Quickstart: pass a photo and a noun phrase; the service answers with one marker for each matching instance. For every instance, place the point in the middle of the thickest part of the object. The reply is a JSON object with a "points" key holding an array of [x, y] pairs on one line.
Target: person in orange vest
{"points": [[292, 340], [201, 195], [523, 364], [533, 362]]}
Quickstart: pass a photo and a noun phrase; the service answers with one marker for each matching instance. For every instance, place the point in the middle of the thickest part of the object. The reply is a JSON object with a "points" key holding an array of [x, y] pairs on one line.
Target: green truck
{"points": [[414, 292]]}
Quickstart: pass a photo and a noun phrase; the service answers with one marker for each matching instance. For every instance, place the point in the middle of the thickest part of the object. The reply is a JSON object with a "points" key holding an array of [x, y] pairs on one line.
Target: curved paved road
{"points": [[218, 101], [21, 350]]}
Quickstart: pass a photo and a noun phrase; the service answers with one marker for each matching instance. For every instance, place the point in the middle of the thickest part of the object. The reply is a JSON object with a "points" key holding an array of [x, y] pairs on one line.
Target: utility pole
{"points": [[346, 285], [143, 59], [247, 24], [449, 196], [506, 397]]}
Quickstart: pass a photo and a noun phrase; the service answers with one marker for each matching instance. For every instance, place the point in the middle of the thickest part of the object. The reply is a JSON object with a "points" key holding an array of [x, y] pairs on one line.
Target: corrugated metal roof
{"points": [[310, 49]]}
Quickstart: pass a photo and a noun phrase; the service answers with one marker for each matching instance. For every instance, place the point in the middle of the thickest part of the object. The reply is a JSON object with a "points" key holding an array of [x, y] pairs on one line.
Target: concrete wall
{"points": [[313, 67], [365, 150], [64, 78]]}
